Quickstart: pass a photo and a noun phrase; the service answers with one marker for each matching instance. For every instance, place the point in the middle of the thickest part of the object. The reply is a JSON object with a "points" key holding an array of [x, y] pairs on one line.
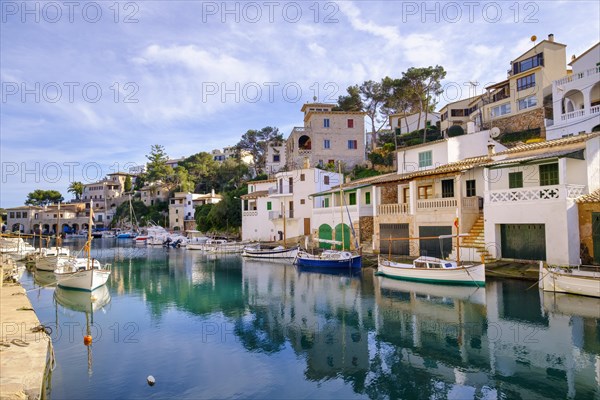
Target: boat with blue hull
{"points": [[332, 259]]}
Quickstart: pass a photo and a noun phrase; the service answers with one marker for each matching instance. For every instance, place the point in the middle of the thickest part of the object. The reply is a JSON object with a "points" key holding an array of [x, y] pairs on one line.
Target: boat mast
{"points": [[341, 201], [57, 244], [88, 245], [284, 223]]}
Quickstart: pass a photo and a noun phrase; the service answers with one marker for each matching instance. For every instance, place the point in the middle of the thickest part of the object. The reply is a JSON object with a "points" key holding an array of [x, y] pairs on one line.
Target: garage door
{"points": [[596, 236], [399, 247], [440, 248], [523, 241]]}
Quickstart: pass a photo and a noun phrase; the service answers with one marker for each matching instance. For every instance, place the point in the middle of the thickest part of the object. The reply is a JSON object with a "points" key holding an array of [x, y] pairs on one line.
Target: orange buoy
{"points": [[87, 340]]}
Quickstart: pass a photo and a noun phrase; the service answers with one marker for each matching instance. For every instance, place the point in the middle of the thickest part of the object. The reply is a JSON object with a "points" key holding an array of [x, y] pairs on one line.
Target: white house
{"points": [[286, 203], [182, 208], [530, 192], [275, 158], [412, 122], [576, 97]]}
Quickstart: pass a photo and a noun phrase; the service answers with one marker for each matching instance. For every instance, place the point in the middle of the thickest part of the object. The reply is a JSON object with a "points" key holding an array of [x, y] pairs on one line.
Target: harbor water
{"points": [[226, 327]]}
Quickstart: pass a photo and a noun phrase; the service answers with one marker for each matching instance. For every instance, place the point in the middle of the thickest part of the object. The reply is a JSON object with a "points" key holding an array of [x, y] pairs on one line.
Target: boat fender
{"points": [[151, 381], [87, 340]]}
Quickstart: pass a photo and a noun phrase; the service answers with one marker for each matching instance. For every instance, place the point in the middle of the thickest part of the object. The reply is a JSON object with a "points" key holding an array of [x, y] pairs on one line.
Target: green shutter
{"points": [[549, 174], [352, 198], [368, 198], [268, 206], [515, 180]]}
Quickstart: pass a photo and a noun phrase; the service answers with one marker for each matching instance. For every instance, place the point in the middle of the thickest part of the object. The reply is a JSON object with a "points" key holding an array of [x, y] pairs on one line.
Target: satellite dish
{"points": [[494, 132], [533, 38]]}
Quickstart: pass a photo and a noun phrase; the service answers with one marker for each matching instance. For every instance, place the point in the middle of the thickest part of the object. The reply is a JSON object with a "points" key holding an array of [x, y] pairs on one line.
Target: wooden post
{"points": [[341, 201], [284, 223]]}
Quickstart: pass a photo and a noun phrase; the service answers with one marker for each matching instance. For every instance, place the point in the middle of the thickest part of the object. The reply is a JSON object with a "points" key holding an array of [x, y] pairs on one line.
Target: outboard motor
{"points": [[167, 242], [177, 244]]}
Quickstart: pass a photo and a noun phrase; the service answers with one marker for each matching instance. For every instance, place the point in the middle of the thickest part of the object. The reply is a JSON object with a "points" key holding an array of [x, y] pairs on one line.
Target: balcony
{"points": [[249, 213], [281, 190], [572, 115], [578, 76], [289, 214], [434, 204], [392, 209], [537, 193]]}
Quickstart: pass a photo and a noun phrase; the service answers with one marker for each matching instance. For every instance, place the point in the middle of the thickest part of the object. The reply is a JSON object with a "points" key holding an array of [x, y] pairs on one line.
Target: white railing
{"points": [[299, 129], [392, 209], [431, 204], [250, 213], [285, 189], [470, 202], [595, 110], [574, 191], [525, 194], [279, 214], [577, 76], [572, 115], [304, 152]]}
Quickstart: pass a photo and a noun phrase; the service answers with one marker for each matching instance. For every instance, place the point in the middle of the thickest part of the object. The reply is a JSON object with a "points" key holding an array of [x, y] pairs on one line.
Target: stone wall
{"points": [[585, 231], [520, 122], [365, 229], [389, 193]]}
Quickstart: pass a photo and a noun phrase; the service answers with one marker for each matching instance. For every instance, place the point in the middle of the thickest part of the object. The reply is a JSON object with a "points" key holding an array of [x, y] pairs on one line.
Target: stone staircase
{"points": [[475, 241]]}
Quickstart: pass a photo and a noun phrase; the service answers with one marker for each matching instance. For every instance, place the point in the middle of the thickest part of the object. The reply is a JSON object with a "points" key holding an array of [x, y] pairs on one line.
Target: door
{"points": [[325, 232], [523, 241], [596, 236], [399, 247], [439, 248], [307, 226]]}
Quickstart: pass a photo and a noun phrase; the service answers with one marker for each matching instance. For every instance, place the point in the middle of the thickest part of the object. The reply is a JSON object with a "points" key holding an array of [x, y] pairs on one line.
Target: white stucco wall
{"points": [[592, 157]]}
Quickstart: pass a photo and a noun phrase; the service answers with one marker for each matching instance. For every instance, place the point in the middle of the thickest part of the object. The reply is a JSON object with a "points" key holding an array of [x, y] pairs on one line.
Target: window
{"points": [[526, 82], [350, 123], [326, 123], [425, 159], [448, 188], [275, 157], [12, 214], [528, 63], [302, 177], [326, 144], [176, 211], [501, 110], [19, 214], [24, 214], [527, 102], [471, 192], [368, 198], [425, 192], [269, 206], [406, 195], [515, 180], [352, 144], [326, 180], [352, 199], [302, 201], [326, 202], [549, 174]]}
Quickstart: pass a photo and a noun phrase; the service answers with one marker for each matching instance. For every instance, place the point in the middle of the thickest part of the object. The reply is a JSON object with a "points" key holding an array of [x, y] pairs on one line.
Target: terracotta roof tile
{"points": [[593, 197]]}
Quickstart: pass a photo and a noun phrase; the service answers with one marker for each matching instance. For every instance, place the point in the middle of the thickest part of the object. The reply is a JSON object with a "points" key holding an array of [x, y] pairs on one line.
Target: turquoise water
{"points": [[232, 328]]}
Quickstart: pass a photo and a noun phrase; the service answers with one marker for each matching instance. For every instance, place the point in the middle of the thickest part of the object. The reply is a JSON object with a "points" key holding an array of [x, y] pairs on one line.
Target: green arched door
{"points": [[338, 236], [325, 233]]}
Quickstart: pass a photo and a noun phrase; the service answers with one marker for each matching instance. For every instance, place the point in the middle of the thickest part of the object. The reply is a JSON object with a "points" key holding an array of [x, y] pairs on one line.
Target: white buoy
{"points": [[151, 380]]}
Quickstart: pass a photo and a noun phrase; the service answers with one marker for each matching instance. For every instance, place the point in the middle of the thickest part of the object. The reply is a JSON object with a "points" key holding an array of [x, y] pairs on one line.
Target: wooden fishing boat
{"points": [[278, 252], [433, 270], [569, 280]]}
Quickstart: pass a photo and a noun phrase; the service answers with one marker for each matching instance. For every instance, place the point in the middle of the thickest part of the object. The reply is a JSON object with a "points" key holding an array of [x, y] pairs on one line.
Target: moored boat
{"points": [[433, 270], [329, 259], [569, 280], [278, 252]]}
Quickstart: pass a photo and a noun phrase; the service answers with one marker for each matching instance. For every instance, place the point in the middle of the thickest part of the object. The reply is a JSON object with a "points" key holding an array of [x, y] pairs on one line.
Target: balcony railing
{"points": [[285, 189], [279, 214], [572, 115], [577, 76], [392, 209], [250, 213], [431, 204], [555, 192]]}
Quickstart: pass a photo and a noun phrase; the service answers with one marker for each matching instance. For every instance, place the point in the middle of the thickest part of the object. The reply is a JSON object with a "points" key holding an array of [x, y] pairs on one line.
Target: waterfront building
{"points": [[154, 192], [530, 193], [107, 195], [326, 137], [576, 97], [35, 219], [284, 200]]}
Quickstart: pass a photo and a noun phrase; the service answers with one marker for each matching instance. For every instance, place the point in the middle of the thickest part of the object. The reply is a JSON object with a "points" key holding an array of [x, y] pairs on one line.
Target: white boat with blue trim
{"points": [[433, 270]]}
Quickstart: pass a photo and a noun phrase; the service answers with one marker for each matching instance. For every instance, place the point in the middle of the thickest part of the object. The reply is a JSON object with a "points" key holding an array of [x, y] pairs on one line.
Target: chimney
{"points": [[551, 37], [348, 179], [573, 57], [491, 149]]}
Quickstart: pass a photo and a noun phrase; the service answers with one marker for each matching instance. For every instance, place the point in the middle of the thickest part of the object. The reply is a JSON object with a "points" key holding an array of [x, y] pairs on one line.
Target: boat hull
{"points": [[271, 253], [473, 275], [50, 263], [554, 281], [88, 280], [316, 262]]}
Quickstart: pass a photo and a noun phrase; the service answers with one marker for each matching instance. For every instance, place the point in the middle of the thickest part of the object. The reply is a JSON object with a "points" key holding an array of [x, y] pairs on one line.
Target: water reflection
{"points": [[301, 334]]}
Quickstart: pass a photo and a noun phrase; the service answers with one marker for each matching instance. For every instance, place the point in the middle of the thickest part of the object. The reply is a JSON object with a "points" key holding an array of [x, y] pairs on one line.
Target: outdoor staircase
{"points": [[476, 241]]}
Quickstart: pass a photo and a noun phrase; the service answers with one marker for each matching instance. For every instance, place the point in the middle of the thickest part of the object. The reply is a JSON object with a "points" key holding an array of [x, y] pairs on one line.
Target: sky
{"points": [[89, 87]]}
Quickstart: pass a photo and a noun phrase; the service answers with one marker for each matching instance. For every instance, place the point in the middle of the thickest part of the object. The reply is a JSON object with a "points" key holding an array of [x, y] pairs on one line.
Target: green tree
{"points": [[374, 95], [256, 143], [127, 185], [201, 213], [351, 101], [157, 168], [76, 188], [180, 180], [202, 169], [43, 197], [230, 175]]}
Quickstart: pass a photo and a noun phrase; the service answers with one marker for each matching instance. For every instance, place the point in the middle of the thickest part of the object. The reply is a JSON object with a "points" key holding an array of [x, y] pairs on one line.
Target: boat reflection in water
{"points": [[44, 278], [85, 302]]}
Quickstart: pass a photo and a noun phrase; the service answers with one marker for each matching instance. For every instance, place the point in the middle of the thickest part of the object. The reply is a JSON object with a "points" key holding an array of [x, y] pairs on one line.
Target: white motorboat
{"points": [[433, 270], [51, 258], [569, 280]]}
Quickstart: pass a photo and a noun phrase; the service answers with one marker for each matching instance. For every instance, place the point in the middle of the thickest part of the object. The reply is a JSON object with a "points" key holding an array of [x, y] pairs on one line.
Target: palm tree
{"points": [[77, 189]]}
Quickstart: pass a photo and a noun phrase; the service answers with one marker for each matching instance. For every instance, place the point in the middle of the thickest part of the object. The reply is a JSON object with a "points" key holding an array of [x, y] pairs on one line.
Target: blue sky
{"points": [[88, 87]]}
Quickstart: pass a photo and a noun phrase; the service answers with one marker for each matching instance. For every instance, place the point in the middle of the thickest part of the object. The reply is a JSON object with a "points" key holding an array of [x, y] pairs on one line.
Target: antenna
{"points": [[494, 132]]}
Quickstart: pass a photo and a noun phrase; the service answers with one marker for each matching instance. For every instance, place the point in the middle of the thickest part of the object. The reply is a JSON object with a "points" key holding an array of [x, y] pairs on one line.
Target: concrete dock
{"points": [[24, 353]]}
